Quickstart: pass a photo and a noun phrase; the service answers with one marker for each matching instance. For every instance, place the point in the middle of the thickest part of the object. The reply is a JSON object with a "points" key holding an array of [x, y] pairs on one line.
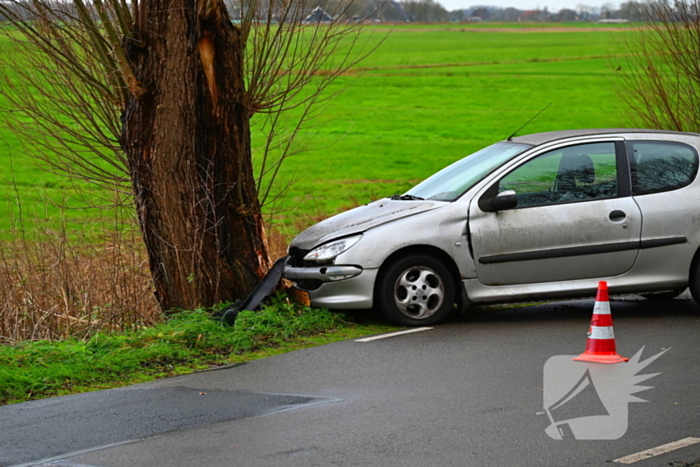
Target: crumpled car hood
{"points": [[361, 219]]}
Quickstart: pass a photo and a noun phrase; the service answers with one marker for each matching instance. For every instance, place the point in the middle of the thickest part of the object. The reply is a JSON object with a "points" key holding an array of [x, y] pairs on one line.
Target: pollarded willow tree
{"points": [[660, 79], [157, 97]]}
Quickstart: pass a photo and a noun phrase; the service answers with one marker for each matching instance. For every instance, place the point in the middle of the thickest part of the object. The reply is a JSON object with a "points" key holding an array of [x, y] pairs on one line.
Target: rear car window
{"points": [[661, 166]]}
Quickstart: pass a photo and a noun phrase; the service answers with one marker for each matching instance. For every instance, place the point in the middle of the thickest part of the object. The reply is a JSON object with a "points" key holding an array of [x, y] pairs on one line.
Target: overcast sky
{"points": [[552, 5]]}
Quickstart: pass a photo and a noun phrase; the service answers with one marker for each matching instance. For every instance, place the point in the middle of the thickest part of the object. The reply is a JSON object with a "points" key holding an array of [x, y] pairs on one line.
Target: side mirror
{"points": [[504, 200]]}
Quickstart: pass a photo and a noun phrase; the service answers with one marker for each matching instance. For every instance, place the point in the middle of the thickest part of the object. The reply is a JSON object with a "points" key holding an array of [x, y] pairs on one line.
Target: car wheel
{"points": [[416, 290], [661, 296]]}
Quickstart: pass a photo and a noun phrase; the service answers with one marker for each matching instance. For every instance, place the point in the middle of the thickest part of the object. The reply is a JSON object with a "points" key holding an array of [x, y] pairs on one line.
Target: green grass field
{"points": [[428, 96]]}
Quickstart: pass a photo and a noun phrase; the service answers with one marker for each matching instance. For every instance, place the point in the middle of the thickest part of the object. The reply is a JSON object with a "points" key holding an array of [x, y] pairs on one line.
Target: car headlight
{"points": [[329, 251]]}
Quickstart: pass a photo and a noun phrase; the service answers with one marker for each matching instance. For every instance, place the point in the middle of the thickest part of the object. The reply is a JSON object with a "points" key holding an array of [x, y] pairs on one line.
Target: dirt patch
{"points": [[519, 30], [378, 180], [552, 29], [470, 64]]}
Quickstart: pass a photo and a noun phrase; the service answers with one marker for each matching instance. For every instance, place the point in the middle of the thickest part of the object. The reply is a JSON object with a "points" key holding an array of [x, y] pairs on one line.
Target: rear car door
{"points": [[575, 218]]}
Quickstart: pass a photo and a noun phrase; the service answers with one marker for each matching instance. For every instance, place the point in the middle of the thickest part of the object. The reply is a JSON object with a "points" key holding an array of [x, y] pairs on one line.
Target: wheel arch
{"points": [[460, 294], [693, 281], [694, 263]]}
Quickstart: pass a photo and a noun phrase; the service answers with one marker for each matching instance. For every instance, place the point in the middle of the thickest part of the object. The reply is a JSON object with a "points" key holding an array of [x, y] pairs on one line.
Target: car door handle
{"points": [[617, 215]]}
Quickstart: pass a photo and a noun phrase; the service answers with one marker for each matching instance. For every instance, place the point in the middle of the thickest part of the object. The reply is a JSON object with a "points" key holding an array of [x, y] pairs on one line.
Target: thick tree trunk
{"points": [[187, 139]]}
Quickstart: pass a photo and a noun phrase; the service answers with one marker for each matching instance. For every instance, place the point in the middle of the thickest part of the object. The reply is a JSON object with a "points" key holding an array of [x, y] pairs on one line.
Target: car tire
{"points": [[416, 290], [661, 296]]}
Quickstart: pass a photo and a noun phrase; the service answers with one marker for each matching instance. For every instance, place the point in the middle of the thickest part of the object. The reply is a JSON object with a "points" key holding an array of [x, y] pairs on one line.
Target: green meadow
{"points": [[432, 95], [427, 96]]}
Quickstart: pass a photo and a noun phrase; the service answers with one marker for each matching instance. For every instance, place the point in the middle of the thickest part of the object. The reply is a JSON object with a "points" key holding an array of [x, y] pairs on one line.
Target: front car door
{"points": [[574, 219]]}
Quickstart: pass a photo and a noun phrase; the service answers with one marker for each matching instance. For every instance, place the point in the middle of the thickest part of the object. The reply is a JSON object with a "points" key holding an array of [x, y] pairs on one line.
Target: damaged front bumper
{"points": [[339, 287], [322, 274]]}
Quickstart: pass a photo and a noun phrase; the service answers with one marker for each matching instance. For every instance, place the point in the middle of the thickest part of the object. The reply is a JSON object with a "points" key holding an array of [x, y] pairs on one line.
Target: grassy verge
{"points": [[186, 342]]}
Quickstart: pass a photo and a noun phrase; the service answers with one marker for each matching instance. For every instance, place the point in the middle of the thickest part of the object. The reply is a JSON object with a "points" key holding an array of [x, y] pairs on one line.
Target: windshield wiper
{"points": [[406, 198]]}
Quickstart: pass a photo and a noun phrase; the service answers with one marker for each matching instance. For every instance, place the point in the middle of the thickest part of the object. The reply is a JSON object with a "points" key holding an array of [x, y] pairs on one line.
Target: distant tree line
{"points": [[424, 11], [428, 11], [431, 11], [629, 11]]}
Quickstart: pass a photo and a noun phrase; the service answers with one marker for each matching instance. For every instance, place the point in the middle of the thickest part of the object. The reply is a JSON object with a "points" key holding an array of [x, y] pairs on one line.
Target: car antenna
{"points": [[528, 122]]}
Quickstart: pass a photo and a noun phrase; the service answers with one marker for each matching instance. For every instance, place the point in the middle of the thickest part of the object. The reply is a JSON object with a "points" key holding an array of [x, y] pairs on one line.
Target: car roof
{"points": [[541, 138]]}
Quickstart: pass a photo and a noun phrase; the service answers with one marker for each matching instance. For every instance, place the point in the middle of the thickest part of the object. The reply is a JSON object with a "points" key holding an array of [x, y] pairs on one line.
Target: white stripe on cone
{"points": [[601, 332], [601, 308]]}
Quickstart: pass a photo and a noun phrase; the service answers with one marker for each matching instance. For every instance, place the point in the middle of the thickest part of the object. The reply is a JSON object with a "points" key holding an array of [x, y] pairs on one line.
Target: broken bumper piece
{"points": [[338, 287]]}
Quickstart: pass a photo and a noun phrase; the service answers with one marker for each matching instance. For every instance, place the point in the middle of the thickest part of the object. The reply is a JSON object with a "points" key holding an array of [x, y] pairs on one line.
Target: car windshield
{"points": [[452, 181]]}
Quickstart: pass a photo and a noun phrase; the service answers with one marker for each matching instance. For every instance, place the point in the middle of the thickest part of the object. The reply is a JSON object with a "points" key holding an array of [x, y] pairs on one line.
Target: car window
{"points": [[661, 166], [453, 181], [573, 173]]}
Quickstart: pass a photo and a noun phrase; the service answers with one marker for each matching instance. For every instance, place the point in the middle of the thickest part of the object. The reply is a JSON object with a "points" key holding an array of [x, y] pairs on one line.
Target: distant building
{"points": [[390, 11], [481, 13], [533, 15], [318, 16]]}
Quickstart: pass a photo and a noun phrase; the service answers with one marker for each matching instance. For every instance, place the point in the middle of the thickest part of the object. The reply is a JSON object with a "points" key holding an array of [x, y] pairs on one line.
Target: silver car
{"points": [[541, 216]]}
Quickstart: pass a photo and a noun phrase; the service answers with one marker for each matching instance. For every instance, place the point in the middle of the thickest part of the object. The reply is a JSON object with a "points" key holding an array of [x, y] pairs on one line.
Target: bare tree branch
{"points": [[660, 79]]}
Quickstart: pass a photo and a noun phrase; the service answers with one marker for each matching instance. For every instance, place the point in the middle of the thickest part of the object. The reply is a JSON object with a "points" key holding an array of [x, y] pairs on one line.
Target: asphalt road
{"points": [[467, 393]]}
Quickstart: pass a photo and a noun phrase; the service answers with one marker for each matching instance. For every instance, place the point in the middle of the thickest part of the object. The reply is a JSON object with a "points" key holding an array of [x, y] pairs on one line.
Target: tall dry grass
{"points": [[57, 282]]}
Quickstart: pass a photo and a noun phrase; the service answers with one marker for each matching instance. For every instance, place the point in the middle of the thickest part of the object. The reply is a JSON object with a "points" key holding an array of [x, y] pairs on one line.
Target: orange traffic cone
{"points": [[600, 347]]}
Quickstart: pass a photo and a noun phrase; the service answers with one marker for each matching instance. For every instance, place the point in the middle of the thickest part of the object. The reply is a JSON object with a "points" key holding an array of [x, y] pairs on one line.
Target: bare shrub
{"points": [[659, 80]]}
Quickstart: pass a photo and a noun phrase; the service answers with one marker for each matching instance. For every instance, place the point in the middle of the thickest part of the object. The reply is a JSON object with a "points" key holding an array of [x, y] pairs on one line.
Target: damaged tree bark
{"points": [[187, 140]]}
